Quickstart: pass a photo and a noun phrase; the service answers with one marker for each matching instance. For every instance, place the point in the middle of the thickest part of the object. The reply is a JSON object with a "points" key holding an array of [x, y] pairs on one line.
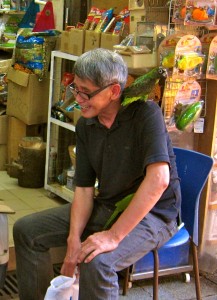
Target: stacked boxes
{"points": [[72, 41], [27, 97], [77, 41]]}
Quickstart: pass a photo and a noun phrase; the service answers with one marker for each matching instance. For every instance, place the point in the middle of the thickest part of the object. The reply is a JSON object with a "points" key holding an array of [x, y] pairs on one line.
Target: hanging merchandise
{"points": [[188, 58], [179, 12], [211, 72], [45, 19], [206, 40], [200, 13], [187, 106], [189, 115], [28, 20], [166, 51]]}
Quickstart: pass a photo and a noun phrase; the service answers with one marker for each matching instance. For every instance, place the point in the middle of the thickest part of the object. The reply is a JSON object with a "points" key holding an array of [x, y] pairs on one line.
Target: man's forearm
{"points": [[81, 210]]}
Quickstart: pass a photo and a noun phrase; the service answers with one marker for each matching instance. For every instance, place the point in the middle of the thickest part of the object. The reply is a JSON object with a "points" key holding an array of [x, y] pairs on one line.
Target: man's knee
{"points": [[97, 263], [21, 228]]}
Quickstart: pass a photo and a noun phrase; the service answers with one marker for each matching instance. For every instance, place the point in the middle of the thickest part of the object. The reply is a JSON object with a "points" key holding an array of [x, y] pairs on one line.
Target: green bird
{"points": [[142, 86], [120, 207]]}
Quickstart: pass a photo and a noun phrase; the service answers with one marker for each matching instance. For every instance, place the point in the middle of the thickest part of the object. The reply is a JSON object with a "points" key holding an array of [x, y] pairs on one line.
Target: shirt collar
{"points": [[125, 113]]}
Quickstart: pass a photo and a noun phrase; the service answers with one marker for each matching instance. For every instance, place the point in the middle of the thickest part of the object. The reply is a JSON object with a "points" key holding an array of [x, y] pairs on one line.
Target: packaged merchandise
{"points": [[211, 71], [179, 11], [200, 12], [33, 50], [189, 58]]}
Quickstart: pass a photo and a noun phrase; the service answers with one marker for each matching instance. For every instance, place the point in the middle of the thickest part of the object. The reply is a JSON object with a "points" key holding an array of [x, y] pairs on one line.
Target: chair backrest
{"points": [[193, 170]]}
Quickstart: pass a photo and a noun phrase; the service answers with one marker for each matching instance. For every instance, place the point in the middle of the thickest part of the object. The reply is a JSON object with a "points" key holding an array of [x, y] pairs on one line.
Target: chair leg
{"points": [[196, 271], [126, 280], [155, 278]]}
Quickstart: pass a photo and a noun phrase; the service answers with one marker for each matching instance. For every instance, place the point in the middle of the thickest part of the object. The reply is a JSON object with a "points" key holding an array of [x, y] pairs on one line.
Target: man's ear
{"points": [[116, 91]]}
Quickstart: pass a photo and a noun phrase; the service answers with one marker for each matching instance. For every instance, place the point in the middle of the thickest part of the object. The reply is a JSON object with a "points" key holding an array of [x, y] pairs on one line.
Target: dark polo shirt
{"points": [[118, 156]]}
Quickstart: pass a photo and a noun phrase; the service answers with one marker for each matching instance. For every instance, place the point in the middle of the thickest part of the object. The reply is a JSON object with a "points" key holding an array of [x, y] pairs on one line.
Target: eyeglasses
{"points": [[86, 96]]}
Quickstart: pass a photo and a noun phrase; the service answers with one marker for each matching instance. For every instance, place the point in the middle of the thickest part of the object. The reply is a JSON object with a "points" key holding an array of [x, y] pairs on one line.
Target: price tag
{"points": [[199, 125]]}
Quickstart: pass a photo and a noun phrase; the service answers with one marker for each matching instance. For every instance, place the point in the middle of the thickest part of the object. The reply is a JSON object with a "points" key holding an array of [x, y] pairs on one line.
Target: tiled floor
{"points": [[23, 201]]}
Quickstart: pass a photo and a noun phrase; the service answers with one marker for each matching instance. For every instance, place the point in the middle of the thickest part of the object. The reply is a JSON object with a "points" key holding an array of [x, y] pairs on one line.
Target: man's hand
{"points": [[71, 260], [97, 243]]}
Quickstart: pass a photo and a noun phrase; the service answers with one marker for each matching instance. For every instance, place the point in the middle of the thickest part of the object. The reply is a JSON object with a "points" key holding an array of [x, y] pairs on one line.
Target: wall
{"points": [[118, 5]]}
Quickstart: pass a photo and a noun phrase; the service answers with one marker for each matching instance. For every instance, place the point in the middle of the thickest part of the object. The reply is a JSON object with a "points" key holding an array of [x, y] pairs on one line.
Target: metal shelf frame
{"points": [[53, 125]]}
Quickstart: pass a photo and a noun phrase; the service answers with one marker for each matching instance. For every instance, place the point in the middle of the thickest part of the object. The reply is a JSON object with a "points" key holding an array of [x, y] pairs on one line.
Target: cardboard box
{"points": [[72, 41], [5, 65], [27, 97], [138, 61], [92, 40], [3, 157], [108, 40], [16, 131], [3, 129]]}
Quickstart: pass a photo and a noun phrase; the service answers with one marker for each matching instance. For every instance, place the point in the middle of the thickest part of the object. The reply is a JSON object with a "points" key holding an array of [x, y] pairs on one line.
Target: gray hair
{"points": [[102, 66]]}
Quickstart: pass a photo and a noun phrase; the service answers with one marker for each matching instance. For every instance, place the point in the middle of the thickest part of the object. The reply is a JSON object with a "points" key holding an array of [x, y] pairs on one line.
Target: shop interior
{"points": [[38, 114]]}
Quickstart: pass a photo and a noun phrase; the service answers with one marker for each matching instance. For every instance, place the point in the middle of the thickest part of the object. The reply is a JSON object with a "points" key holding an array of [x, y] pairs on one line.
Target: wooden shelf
{"points": [[12, 12]]}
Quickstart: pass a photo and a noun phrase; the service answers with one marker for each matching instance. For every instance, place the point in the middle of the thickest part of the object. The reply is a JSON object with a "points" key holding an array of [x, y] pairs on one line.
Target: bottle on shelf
{"points": [[70, 178], [52, 165]]}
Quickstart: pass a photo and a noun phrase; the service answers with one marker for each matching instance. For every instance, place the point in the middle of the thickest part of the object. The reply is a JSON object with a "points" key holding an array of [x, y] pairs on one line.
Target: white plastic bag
{"points": [[63, 287]]}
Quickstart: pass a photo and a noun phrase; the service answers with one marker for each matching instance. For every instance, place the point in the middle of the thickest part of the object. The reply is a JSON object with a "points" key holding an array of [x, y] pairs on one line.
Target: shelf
{"points": [[12, 12], [64, 55], [56, 136], [69, 126], [60, 190]]}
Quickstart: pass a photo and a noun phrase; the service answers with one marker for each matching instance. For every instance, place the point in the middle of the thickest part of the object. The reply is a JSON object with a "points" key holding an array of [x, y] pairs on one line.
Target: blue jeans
{"points": [[35, 234]]}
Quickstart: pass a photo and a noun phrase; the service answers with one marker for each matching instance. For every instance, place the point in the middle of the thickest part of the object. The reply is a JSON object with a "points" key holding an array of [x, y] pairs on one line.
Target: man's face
{"points": [[92, 99]]}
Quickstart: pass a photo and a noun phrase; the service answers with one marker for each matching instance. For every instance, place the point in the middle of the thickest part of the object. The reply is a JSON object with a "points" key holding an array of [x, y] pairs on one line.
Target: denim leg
{"points": [[98, 278], [34, 235]]}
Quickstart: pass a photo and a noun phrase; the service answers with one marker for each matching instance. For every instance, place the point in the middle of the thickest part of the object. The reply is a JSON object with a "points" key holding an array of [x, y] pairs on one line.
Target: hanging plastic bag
{"points": [[63, 287]]}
